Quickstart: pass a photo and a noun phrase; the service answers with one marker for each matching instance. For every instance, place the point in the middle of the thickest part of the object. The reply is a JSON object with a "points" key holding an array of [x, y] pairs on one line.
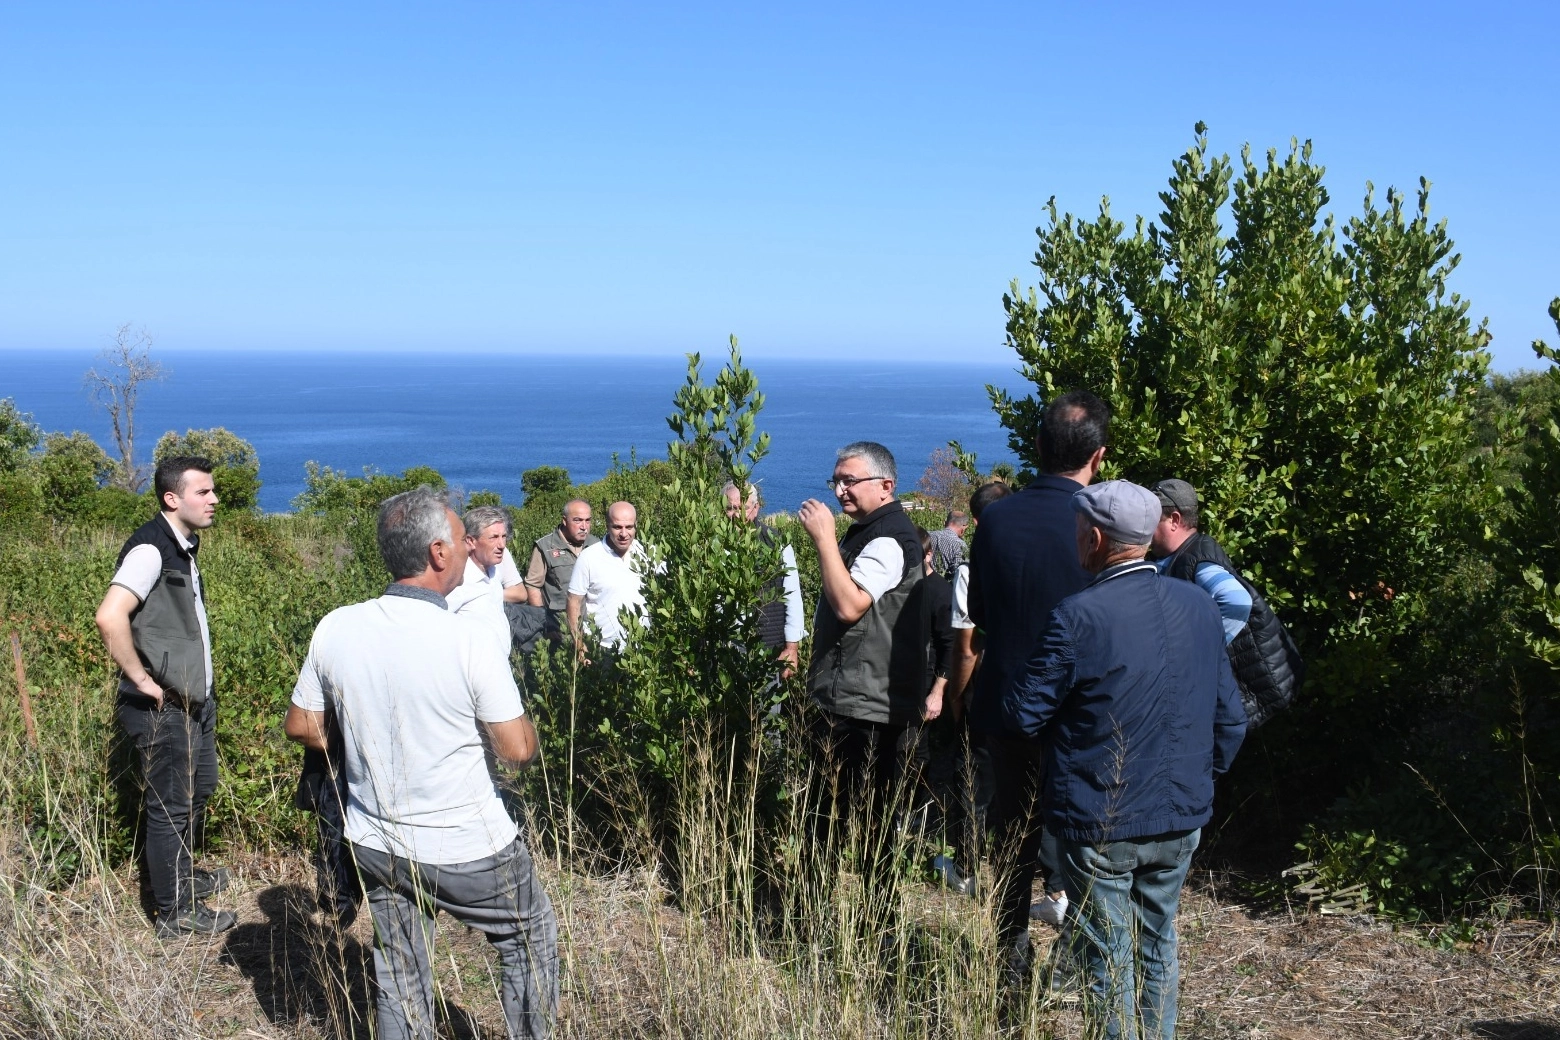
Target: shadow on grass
{"points": [[300, 971], [1517, 1030]]}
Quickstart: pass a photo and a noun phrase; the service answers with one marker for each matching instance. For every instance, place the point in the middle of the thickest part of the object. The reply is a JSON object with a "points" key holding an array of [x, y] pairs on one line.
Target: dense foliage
{"points": [[1319, 385]]}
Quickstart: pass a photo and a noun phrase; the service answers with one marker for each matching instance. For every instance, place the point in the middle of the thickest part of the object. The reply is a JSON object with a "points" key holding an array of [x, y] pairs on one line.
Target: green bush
{"points": [[543, 480], [1324, 391], [622, 728], [236, 466], [326, 490]]}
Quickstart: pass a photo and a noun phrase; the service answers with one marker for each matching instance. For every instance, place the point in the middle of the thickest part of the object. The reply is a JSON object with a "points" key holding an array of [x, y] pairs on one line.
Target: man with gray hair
{"points": [[419, 702], [1133, 692], [867, 675], [480, 595]]}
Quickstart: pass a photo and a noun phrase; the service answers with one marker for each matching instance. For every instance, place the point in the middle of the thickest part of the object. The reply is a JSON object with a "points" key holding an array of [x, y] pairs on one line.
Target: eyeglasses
{"points": [[838, 484]]}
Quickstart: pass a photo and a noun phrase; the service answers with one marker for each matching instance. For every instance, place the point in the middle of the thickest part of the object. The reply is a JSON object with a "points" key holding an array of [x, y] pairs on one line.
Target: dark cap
{"points": [[1177, 496], [1123, 510]]}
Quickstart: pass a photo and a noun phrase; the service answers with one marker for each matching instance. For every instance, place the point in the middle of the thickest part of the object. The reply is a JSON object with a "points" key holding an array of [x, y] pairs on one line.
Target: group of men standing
{"points": [[1103, 707], [1101, 710]]}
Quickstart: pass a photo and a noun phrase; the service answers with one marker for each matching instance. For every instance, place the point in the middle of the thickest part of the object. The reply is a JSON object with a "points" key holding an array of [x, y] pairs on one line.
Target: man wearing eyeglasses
{"points": [[868, 684]]}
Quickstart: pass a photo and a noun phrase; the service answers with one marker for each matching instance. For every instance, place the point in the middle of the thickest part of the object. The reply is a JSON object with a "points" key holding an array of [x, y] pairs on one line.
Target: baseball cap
{"points": [[1125, 511], [1178, 496]]}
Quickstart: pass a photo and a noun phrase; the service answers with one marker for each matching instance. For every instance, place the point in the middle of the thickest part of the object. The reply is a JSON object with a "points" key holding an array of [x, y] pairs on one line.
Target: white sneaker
{"points": [[1052, 909]]}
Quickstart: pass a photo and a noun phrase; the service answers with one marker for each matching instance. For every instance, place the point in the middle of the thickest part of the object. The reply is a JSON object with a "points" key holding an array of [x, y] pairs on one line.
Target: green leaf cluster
{"points": [[236, 466]]}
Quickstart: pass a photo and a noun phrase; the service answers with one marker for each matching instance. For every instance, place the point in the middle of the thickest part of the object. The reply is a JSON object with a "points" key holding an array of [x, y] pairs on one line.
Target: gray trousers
{"points": [[499, 896]]}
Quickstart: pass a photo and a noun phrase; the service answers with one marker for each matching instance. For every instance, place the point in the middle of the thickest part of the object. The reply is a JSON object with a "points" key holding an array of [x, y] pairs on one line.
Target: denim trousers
{"points": [[177, 750], [1124, 896], [500, 896]]}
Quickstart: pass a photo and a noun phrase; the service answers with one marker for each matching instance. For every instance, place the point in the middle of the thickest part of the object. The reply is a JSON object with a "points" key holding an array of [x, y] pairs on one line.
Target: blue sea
{"points": [[482, 419]]}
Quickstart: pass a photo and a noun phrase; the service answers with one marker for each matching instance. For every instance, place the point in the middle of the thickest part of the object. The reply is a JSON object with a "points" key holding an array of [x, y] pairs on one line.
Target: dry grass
{"points": [[84, 963]]}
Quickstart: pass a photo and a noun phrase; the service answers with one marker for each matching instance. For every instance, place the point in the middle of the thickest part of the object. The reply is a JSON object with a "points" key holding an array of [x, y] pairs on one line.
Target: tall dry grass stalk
{"points": [[739, 927]]}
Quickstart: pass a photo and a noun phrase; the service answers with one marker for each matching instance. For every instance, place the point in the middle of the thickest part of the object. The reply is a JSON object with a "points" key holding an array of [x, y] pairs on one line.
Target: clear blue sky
{"points": [[613, 177]]}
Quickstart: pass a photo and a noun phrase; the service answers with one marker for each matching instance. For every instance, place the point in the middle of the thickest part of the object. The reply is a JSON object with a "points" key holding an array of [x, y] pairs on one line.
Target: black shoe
{"points": [[208, 883], [199, 919]]}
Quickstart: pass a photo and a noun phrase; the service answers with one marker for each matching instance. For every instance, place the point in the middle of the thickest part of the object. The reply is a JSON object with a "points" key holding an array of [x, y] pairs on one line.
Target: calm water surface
{"points": [[482, 419]]}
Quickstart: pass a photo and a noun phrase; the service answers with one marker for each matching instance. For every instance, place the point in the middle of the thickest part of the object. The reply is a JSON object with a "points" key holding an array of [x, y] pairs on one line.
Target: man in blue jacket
{"points": [[1133, 693]]}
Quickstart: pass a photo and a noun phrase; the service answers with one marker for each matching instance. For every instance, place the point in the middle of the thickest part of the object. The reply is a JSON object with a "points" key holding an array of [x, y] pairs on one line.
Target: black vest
{"points": [[874, 669], [166, 625], [1264, 658], [771, 610]]}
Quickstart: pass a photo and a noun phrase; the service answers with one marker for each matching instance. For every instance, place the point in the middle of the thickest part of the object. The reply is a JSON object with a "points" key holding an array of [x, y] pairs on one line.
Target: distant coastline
{"points": [[483, 418]]}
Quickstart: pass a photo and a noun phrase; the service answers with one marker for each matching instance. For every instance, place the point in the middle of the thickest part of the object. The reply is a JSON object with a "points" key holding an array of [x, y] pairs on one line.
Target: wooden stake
{"points": [[21, 689]]}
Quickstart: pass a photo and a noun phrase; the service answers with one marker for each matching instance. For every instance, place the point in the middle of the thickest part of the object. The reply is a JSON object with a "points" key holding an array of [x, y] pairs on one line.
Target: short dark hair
{"points": [[926, 540], [1074, 427], [169, 476], [987, 494]]}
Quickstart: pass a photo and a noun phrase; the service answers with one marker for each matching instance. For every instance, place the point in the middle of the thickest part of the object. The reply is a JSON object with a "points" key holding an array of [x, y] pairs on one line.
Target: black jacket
{"points": [[1267, 664]]}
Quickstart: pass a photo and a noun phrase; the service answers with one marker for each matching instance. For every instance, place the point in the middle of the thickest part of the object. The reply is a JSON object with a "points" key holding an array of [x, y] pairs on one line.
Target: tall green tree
{"points": [[1313, 377], [1311, 380]]}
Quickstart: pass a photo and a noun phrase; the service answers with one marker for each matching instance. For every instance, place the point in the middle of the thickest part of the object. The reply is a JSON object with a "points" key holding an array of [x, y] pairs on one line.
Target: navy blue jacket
{"points": [[1133, 692], [1024, 562]]}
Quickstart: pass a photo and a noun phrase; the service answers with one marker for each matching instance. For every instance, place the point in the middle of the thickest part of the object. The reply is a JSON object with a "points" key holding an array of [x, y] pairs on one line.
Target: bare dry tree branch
{"points": [[115, 386]]}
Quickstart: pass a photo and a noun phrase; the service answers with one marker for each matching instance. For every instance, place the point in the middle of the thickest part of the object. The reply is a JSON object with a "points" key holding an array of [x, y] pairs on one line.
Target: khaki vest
{"points": [[558, 557]]}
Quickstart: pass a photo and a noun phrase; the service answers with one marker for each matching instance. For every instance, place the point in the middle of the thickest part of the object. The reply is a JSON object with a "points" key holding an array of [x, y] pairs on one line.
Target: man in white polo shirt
{"points": [[608, 577], [419, 698], [480, 595]]}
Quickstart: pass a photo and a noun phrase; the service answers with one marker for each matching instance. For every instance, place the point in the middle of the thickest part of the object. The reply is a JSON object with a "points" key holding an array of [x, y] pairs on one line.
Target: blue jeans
{"points": [[500, 897], [1124, 896]]}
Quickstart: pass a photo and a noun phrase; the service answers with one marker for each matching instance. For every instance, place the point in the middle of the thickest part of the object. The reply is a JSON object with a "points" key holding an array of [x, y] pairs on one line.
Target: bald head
{"points": [[622, 525]]}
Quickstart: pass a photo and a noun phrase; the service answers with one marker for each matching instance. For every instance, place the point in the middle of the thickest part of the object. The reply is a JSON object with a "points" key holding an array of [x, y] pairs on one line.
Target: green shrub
{"points": [[236, 466], [327, 490], [543, 480]]}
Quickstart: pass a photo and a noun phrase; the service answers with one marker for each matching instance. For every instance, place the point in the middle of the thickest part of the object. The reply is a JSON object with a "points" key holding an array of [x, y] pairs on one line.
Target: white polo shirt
{"points": [[480, 599], [410, 684], [609, 583]]}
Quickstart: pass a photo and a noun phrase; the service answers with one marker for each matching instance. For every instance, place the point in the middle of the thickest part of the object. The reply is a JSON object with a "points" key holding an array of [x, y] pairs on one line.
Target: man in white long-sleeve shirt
{"points": [[782, 623]]}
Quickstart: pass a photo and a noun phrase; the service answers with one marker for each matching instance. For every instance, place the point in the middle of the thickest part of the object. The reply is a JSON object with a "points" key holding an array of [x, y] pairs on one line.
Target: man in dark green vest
{"points": [[553, 556], [867, 674]]}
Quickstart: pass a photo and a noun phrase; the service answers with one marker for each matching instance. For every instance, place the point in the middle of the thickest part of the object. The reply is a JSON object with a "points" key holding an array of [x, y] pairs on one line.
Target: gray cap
{"points": [[1177, 496], [1123, 510]]}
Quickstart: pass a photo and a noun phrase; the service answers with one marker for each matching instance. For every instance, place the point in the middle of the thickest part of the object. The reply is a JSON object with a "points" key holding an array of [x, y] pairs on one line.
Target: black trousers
{"points": [[866, 774], [177, 750], [1017, 771]]}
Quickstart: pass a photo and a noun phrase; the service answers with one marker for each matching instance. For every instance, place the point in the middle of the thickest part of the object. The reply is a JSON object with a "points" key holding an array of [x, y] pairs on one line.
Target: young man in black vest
{"points": [[153, 621]]}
